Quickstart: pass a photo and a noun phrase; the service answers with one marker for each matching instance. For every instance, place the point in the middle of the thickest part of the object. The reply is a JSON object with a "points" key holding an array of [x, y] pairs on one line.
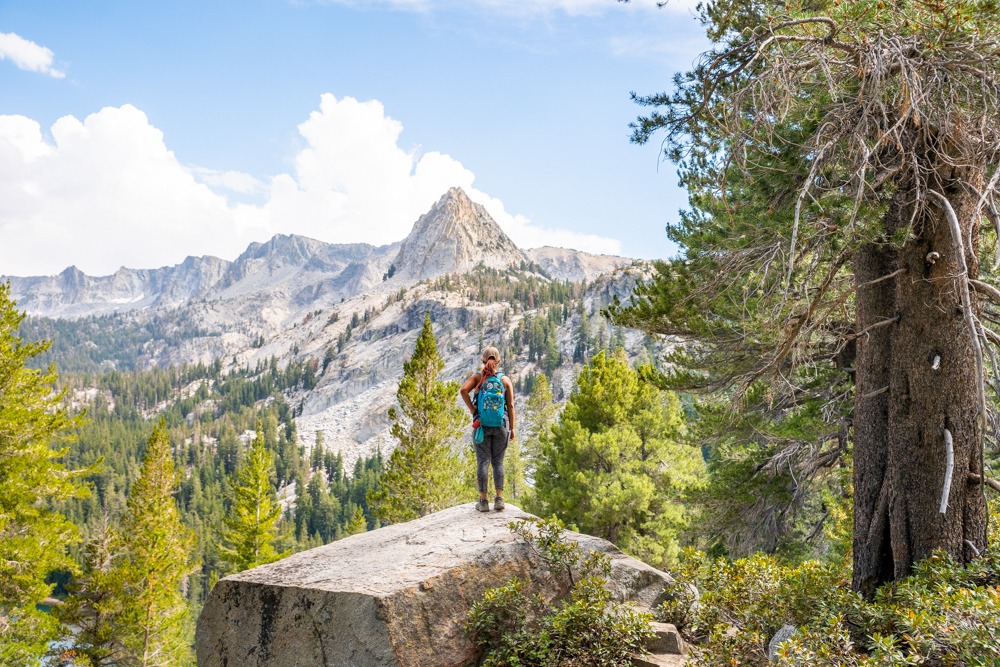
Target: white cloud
{"points": [[528, 235], [673, 50], [353, 182], [107, 192], [27, 55]]}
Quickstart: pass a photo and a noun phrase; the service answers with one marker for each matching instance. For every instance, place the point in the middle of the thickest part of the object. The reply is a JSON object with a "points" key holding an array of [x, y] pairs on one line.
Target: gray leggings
{"points": [[491, 451]]}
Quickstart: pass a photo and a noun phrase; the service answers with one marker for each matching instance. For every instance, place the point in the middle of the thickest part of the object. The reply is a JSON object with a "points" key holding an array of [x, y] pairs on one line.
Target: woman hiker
{"points": [[492, 408]]}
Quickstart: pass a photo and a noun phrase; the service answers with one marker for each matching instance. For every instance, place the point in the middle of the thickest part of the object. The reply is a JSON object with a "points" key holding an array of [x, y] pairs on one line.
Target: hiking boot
{"points": [[483, 505], [498, 503]]}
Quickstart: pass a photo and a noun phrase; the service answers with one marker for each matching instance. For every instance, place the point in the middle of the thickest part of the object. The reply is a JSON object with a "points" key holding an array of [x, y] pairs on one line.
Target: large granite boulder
{"points": [[395, 596]]}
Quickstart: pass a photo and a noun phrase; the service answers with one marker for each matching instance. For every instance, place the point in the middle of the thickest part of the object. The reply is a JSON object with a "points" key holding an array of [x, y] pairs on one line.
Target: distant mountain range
{"points": [[455, 236], [350, 312]]}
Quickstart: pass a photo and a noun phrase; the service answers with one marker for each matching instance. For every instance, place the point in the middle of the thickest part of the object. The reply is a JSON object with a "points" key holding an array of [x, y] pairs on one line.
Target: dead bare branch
{"points": [[990, 482], [992, 336], [873, 394], [897, 272], [986, 290], [872, 327], [965, 295]]}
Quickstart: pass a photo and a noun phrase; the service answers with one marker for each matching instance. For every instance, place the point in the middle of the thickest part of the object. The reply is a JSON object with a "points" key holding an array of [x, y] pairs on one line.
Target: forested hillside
{"points": [[215, 416], [797, 416], [210, 421], [348, 357]]}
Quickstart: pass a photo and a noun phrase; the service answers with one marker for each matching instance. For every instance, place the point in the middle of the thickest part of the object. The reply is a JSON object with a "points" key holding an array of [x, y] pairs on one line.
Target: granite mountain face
{"points": [[349, 312], [455, 236], [285, 265]]}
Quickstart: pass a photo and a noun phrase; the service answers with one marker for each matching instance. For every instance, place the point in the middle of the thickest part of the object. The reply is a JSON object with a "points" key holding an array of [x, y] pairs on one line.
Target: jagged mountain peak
{"points": [[290, 247], [71, 274], [293, 250], [289, 272], [455, 235]]}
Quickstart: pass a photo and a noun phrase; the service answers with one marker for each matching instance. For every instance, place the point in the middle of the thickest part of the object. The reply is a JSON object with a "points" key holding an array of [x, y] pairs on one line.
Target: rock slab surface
{"points": [[395, 596]]}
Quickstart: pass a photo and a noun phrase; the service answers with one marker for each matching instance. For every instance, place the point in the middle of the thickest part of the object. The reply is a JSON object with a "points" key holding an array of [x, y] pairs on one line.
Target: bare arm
{"points": [[466, 389]]}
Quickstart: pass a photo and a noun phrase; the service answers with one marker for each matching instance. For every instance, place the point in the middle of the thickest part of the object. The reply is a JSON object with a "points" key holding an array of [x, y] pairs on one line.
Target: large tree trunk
{"points": [[927, 361], [875, 303]]}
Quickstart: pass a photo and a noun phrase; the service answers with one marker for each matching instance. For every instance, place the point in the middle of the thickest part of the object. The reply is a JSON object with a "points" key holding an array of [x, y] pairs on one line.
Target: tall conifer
{"points": [[540, 413], [614, 463], [156, 547], [97, 602], [33, 537], [358, 524], [250, 526], [424, 474], [841, 160]]}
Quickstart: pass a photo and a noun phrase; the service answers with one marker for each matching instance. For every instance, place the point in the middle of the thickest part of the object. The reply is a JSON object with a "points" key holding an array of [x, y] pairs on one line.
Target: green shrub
{"points": [[515, 628], [944, 614]]}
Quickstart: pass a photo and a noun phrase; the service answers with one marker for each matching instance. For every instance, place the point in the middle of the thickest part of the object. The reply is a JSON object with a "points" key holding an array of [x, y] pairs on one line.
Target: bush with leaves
{"points": [[513, 626], [944, 614]]}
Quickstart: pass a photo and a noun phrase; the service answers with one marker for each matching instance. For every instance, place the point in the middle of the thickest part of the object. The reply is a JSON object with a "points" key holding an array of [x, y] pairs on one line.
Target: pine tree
{"points": [[515, 485], [334, 467], [552, 356], [424, 474], [358, 524], [581, 352], [613, 463], [33, 537], [97, 602], [324, 509], [540, 413], [156, 550], [249, 528], [841, 160], [228, 449], [318, 453], [522, 454]]}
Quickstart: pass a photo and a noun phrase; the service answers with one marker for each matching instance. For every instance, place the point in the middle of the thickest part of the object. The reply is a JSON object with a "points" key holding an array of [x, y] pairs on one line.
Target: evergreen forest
{"points": [[213, 451], [797, 416]]}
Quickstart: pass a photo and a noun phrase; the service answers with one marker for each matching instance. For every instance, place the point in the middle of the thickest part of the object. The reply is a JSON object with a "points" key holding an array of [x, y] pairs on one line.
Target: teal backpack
{"points": [[490, 401]]}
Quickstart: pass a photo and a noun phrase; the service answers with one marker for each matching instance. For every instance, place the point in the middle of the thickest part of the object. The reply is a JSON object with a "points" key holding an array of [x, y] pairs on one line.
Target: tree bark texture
{"points": [[927, 360], [874, 302]]}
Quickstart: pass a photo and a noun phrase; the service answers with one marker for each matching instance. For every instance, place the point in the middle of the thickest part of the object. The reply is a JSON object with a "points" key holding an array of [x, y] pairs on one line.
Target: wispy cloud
{"points": [[229, 181], [27, 55], [656, 48]]}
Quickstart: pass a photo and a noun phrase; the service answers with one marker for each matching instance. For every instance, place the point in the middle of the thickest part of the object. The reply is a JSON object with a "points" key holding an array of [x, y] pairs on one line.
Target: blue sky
{"points": [[136, 133]]}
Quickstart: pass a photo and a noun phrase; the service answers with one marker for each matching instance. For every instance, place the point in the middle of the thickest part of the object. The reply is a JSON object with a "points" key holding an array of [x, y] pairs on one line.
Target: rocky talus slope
{"points": [[395, 596]]}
